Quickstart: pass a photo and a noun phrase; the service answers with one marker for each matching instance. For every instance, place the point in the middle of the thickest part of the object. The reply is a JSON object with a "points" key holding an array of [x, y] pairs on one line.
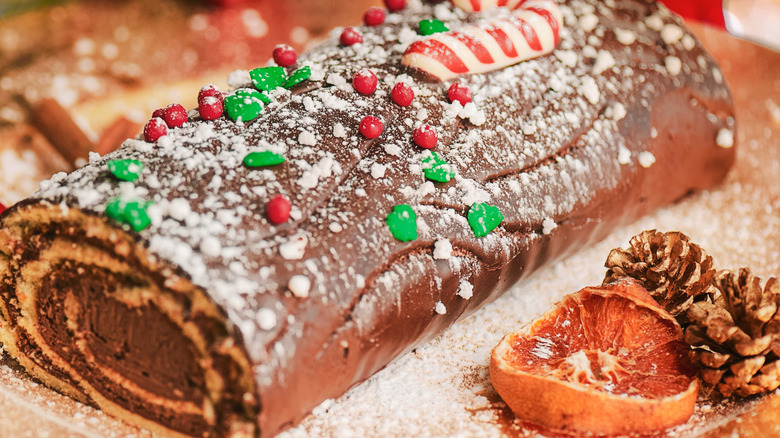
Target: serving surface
{"points": [[550, 284]]}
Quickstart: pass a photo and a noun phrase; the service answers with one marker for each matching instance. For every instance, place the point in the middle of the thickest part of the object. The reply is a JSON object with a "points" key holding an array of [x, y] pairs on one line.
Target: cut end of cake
{"points": [[90, 314]]}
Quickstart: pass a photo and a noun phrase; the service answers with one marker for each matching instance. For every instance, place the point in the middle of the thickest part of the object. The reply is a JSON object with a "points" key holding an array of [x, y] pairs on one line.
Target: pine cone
{"points": [[674, 270], [736, 338]]}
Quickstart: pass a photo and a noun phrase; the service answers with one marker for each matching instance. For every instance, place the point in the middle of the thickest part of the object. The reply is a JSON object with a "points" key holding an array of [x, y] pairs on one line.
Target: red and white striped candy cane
{"points": [[532, 30], [484, 5]]}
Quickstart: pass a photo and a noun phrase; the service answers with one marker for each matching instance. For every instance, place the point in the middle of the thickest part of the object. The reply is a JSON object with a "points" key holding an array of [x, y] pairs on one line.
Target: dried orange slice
{"points": [[605, 360]]}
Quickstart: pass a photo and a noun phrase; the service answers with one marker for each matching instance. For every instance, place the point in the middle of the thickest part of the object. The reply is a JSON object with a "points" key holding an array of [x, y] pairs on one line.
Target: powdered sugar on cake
{"points": [[208, 207]]}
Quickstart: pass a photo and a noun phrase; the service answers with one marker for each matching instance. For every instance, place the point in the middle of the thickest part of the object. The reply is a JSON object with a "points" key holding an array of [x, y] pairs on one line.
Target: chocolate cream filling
{"points": [[114, 338], [94, 318]]}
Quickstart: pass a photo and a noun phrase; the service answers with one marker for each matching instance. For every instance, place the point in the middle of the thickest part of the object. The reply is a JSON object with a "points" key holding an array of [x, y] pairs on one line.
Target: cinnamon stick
{"points": [[113, 136], [59, 128]]}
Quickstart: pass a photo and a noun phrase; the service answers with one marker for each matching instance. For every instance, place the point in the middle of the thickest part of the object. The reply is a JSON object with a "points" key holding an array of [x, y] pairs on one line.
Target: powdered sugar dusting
{"points": [[186, 238], [55, 415], [15, 169], [449, 375]]}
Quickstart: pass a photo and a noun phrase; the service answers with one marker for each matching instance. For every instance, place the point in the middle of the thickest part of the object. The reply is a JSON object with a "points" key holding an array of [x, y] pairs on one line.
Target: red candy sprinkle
{"points": [[2, 207], [364, 81], [154, 129], [210, 107], [210, 91], [459, 92], [425, 137], [174, 115], [371, 127], [402, 94], [284, 55], [374, 16], [278, 209], [395, 5], [350, 36]]}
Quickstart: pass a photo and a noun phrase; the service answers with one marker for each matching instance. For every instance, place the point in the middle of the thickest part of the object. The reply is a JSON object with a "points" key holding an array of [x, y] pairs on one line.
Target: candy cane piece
{"points": [[484, 5], [532, 30]]}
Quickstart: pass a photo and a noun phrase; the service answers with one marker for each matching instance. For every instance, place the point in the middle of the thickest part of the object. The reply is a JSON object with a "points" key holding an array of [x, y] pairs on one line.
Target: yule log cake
{"points": [[242, 262]]}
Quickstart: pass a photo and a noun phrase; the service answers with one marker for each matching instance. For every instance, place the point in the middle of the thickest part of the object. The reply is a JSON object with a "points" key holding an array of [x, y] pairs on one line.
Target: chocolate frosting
{"points": [[622, 118]]}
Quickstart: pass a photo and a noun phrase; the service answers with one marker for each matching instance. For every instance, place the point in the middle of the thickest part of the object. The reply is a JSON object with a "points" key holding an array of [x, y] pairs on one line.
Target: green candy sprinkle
{"points": [[254, 93], [263, 159], [403, 223], [131, 213], [268, 78], [436, 169], [244, 105], [484, 218], [298, 76], [126, 170], [432, 26]]}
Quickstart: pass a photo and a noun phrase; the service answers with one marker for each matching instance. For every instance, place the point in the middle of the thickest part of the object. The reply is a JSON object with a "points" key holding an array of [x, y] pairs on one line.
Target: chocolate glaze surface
{"points": [[567, 150]]}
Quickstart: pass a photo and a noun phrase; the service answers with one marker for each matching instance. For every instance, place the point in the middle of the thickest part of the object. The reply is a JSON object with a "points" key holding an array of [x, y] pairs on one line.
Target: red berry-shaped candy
{"points": [[278, 210], [174, 115], [425, 137], [364, 81], [374, 16], [284, 55], [2, 207], [459, 92], [159, 112], [395, 5], [350, 36], [154, 129], [210, 91], [402, 94], [210, 107], [371, 127]]}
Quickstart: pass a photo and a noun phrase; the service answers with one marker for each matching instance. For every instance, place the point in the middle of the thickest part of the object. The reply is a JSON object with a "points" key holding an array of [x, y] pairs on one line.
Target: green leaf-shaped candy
{"points": [[298, 76], [402, 223], [268, 78], [432, 26], [126, 170], [437, 169], [132, 213], [484, 218], [245, 105], [263, 159]]}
